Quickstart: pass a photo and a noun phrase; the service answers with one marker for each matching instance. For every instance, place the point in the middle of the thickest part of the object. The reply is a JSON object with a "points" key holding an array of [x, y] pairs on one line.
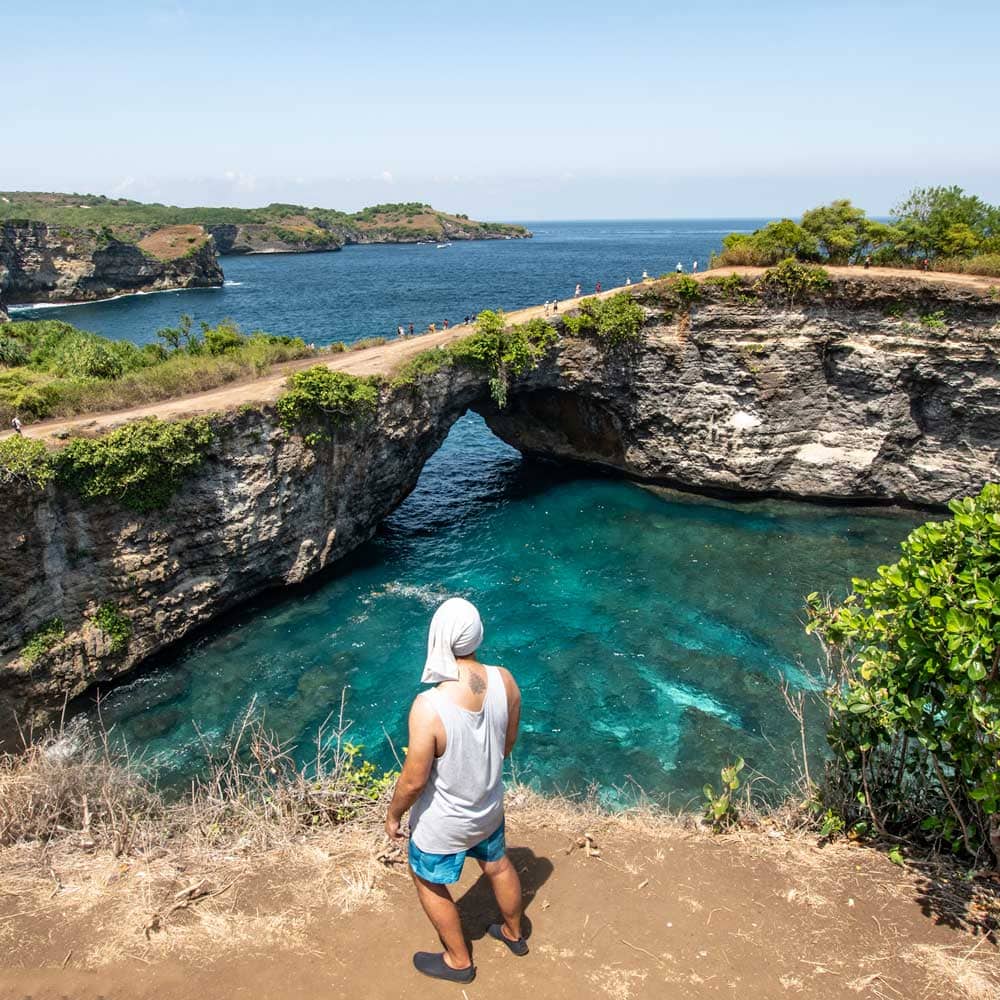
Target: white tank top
{"points": [[462, 802]]}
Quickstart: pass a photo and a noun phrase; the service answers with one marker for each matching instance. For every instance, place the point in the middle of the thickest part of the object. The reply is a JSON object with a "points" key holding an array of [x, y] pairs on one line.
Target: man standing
{"points": [[461, 731], [16, 424]]}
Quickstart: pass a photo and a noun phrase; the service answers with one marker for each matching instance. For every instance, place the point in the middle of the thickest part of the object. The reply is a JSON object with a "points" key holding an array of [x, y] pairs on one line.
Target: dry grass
{"points": [[172, 242]]}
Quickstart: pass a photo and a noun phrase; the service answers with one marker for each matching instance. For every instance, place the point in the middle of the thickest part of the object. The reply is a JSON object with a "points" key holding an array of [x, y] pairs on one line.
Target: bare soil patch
{"points": [[172, 242], [664, 910]]}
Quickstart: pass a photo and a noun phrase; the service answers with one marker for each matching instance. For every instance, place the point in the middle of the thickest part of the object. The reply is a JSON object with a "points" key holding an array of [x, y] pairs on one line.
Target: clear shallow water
{"points": [[366, 291], [649, 634]]}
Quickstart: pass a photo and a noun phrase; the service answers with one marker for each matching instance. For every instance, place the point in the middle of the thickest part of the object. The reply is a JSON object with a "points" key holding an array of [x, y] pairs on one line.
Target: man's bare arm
{"points": [[513, 710], [416, 767]]}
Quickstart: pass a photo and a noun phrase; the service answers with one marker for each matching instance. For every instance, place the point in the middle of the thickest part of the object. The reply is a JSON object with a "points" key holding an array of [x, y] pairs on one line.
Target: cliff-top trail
{"points": [[388, 357], [664, 912]]}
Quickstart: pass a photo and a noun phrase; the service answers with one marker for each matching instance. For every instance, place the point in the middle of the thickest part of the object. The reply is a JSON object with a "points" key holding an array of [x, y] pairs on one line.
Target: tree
{"points": [[774, 243], [944, 220], [842, 230]]}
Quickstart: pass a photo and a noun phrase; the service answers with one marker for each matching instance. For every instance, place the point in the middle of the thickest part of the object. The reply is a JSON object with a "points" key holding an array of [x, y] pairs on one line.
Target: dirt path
{"points": [[662, 913], [388, 358]]}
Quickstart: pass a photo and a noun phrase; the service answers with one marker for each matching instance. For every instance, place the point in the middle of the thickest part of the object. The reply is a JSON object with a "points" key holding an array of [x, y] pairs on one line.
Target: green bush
{"points": [[502, 351], [24, 460], [791, 280], [12, 352], [424, 364], [222, 339], [320, 394], [915, 701], [140, 465], [615, 320], [42, 640], [114, 624]]}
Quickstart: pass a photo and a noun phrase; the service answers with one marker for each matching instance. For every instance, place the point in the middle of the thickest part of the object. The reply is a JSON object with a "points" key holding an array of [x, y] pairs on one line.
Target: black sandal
{"points": [[432, 963], [518, 947]]}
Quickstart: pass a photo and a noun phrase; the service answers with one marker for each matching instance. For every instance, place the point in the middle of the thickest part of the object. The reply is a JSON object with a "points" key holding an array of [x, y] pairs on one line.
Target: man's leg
{"points": [[507, 889], [443, 914]]}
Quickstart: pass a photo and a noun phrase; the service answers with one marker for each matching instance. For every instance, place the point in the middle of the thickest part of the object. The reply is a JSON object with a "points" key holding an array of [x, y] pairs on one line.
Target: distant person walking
{"points": [[411, 329], [645, 275], [433, 328], [868, 262], [400, 332], [694, 267], [628, 281], [576, 291], [461, 731], [445, 325], [679, 268], [16, 424], [597, 288]]}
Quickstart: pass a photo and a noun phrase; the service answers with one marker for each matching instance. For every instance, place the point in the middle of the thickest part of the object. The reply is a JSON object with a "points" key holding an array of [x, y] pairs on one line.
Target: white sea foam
{"points": [[22, 307], [429, 597], [232, 284]]}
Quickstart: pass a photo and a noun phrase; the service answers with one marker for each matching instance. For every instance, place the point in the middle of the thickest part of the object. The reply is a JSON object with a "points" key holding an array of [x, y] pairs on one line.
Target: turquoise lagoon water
{"points": [[650, 632]]}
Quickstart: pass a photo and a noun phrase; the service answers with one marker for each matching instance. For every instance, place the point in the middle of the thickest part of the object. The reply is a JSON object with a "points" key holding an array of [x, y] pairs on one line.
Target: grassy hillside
{"points": [[120, 215]]}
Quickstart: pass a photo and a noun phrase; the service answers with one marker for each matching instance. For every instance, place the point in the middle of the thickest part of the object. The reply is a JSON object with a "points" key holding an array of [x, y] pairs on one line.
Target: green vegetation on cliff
{"points": [[122, 217], [914, 691], [319, 396], [615, 320], [955, 231], [139, 465], [497, 350], [49, 368]]}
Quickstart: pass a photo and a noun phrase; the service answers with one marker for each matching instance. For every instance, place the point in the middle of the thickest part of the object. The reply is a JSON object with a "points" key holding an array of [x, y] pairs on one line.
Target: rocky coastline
{"points": [[42, 263], [882, 392]]}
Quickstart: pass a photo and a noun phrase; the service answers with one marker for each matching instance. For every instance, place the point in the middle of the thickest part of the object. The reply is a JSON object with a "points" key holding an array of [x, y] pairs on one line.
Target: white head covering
{"points": [[456, 630]]}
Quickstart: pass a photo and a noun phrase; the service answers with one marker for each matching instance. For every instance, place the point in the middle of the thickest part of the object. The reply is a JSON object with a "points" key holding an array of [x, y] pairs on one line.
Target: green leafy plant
{"points": [[502, 351], [934, 321], [25, 460], [114, 624], [915, 690], [140, 465], [320, 396], [42, 640], [792, 280], [615, 320], [720, 809]]}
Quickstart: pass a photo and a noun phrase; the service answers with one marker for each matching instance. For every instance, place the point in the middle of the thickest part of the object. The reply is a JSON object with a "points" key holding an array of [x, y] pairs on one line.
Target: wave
{"points": [[428, 596], [27, 306], [232, 284]]}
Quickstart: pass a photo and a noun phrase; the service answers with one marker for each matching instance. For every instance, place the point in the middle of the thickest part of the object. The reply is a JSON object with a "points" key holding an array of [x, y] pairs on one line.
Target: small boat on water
{"points": [[441, 246]]}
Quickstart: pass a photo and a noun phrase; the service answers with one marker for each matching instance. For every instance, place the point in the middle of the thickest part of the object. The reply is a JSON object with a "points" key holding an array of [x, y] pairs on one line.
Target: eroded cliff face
{"points": [[43, 263], [877, 391], [265, 510]]}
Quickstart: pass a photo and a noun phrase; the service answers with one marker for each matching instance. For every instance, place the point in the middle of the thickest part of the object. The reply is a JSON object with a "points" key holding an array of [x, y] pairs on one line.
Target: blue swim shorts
{"points": [[443, 869]]}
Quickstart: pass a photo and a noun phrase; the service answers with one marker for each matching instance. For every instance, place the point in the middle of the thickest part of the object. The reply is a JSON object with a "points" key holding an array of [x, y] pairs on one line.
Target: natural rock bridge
{"points": [[851, 396]]}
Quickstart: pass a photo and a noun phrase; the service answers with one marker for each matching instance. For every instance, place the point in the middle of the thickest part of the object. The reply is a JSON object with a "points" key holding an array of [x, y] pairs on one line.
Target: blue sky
{"points": [[509, 111]]}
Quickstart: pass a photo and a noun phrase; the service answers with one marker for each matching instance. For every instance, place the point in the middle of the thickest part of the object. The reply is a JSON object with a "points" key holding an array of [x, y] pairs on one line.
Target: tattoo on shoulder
{"points": [[476, 682]]}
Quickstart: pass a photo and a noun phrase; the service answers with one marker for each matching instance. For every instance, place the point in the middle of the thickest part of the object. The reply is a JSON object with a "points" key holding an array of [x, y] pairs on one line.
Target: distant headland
{"points": [[57, 247]]}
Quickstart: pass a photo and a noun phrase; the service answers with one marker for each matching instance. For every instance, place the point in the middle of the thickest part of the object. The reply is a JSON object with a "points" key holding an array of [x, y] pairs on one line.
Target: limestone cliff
{"points": [[874, 391], [878, 391], [47, 263]]}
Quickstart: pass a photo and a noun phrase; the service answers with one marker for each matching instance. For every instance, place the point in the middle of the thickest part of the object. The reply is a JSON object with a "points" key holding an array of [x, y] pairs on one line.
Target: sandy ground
{"points": [[388, 358], [664, 912]]}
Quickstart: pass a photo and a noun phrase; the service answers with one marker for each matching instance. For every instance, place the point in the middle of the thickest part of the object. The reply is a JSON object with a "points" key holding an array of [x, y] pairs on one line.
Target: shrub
{"points": [[115, 625], [792, 279], [987, 264], [24, 460], [501, 351], [12, 352], [140, 465], [424, 364], [222, 339], [319, 394], [615, 320], [915, 699], [42, 640]]}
